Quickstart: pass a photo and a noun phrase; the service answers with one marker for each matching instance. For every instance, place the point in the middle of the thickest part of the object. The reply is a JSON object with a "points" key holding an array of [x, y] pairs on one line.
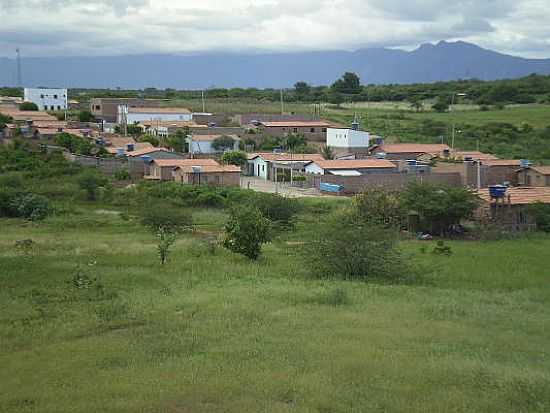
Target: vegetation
{"points": [[28, 106], [223, 143], [246, 231], [85, 116], [237, 158], [541, 212], [91, 180], [327, 152]]}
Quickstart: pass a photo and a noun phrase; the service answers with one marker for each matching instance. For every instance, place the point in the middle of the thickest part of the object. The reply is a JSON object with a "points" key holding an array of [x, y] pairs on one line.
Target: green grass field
{"points": [[214, 332]]}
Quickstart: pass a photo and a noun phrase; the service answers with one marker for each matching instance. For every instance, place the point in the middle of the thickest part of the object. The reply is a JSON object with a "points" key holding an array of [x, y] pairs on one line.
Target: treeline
{"points": [[349, 88]]}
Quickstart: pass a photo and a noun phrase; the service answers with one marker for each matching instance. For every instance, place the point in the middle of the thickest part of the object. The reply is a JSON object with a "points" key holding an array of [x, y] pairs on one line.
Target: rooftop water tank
{"points": [[196, 169], [146, 158], [497, 191], [524, 163], [120, 152], [130, 147], [412, 162], [380, 155]]}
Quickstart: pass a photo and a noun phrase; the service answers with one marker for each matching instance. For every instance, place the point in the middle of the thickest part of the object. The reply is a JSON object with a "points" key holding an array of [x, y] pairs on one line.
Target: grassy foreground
{"points": [[213, 332]]}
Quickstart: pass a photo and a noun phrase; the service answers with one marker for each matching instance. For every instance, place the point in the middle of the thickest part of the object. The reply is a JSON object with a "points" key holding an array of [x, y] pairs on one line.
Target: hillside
{"points": [[428, 63]]}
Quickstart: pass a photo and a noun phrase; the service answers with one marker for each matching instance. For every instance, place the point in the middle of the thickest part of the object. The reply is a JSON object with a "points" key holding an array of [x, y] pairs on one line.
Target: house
{"points": [[350, 167], [165, 128], [222, 175], [161, 169], [348, 140], [472, 156], [510, 208], [533, 176], [134, 115], [106, 109], [265, 165], [26, 115], [139, 159], [121, 146], [312, 130], [484, 173], [203, 144], [47, 99], [408, 151]]}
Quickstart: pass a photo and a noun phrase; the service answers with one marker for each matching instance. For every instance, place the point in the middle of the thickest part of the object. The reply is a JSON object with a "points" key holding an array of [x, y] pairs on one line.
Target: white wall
{"points": [[260, 167], [132, 118], [47, 99], [313, 168], [347, 138], [206, 146]]}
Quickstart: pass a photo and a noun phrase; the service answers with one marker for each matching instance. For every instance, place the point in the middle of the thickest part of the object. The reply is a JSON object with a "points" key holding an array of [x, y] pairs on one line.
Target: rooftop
{"points": [[157, 110], [185, 162], [145, 151], [297, 124], [475, 155], [188, 168], [543, 170], [355, 164], [521, 195], [271, 156], [207, 138], [413, 148], [171, 123], [500, 162]]}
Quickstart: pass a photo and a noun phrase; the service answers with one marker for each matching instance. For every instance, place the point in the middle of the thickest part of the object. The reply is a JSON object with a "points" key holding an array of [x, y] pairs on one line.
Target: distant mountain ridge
{"points": [[429, 63]]}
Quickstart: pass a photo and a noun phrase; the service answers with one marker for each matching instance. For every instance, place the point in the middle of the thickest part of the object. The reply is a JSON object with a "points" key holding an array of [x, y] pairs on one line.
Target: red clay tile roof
{"points": [[355, 164], [185, 162], [475, 155], [500, 162], [158, 110], [188, 168], [521, 195], [543, 170], [137, 147], [171, 123], [271, 156], [413, 148], [145, 151], [297, 124]]}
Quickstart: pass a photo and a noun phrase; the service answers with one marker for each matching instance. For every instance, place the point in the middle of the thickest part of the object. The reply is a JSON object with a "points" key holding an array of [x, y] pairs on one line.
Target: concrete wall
{"points": [[347, 138], [356, 184], [47, 99], [245, 119], [108, 166], [107, 108], [319, 134], [530, 177], [209, 178]]}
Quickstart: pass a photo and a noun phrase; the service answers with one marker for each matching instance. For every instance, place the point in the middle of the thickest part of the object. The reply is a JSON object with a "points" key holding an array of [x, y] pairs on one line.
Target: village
{"points": [[149, 140]]}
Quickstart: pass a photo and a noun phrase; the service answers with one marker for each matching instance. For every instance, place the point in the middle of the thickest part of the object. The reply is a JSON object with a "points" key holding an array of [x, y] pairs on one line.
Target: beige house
{"points": [[312, 130], [409, 151], [220, 175], [162, 169], [534, 176]]}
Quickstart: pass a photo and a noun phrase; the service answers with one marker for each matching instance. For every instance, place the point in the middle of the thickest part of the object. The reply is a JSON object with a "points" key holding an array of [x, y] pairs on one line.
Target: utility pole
{"points": [[19, 76], [203, 102], [282, 103]]}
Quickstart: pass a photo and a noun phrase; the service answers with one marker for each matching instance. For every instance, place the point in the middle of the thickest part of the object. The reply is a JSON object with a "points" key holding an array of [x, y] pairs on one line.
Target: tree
{"points": [[166, 222], [541, 214], [223, 143], [441, 105], [302, 90], [416, 102], [349, 83], [347, 246], [380, 206], [237, 158], [91, 180], [28, 106], [178, 141], [327, 152], [85, 116], [439, 206], [246, 231]]}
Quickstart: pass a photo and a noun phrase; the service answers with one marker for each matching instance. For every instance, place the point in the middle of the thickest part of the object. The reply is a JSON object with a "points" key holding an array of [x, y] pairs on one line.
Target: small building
{"points": [[161, 169], [47, 99], [491, 172], [203, 144], [165, 128], [139, 159], [472, 156], [131, 115], [350, 167], [106, 109], [406, 151], [264, 165], [510, 209], [219, 175], [312, 130], [348, 140], [123, 146], [533, 176]]}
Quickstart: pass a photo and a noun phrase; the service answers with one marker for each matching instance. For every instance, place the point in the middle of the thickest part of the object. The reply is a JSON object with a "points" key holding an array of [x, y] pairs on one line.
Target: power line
{"points": [[19, 77]]}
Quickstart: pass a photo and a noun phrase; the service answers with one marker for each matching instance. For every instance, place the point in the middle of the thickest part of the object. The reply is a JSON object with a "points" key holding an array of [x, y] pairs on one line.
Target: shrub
{"points": [[348, 247], [279, 210], [31, 206], [91, 180], [165, 216], [237, 158], [541, 214], [246, 231], [209, 199], [28, 106], [379, 206], [223, 143], [122, 174]]}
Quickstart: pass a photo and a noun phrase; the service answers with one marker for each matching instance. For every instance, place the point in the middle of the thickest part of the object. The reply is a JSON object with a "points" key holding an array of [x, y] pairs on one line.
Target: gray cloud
{"points": [[110, 27]]}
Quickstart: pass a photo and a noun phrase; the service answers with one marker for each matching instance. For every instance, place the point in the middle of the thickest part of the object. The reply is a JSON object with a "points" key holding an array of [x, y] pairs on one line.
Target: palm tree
{"points": [[327, 152]]}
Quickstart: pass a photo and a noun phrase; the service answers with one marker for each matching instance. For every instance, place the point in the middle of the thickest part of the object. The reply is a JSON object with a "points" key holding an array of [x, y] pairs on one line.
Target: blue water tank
{"points": [[380, 155], [120, 152], [497, 191], [524, 163], [412, 162], [146, 158], [326, 187], [130, 147]]}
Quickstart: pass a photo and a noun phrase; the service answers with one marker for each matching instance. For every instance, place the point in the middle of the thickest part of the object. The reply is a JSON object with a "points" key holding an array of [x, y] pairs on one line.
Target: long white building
{"points": [[47, 99], [132, 115], [347, 138]]}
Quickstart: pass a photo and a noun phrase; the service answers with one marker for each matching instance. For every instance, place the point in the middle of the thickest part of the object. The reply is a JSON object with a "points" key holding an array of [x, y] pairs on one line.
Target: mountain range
{"points": [[428, 63]]}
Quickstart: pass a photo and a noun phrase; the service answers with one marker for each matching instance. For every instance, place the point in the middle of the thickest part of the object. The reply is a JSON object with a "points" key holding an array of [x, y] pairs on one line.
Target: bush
{"points": [[237, 158], [122, 174], [541, 214], [159, 216], [348, 247], [279, 210], [91, 180], [380, 207], [17, 204], [246, 231], [28, 106]]}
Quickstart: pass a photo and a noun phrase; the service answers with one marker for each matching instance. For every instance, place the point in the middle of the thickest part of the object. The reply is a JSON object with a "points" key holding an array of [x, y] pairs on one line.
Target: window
{"points": [[55, 96], [324, 130], [45, 107], [58, 107], [52, 107], [312, 130], [41, 96], [263, 168], [97, 107]]}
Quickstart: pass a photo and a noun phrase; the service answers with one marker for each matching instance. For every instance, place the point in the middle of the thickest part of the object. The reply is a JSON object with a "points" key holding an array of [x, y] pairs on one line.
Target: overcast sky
{"points": [[113, 27]]}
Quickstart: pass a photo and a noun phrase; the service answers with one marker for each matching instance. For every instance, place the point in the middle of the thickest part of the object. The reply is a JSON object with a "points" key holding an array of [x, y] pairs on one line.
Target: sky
{"points": [[121, 27]]}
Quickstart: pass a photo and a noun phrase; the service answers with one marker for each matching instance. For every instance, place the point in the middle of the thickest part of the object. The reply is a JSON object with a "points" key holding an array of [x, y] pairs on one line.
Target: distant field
{"points": [[231, 106], [213, 332]]}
